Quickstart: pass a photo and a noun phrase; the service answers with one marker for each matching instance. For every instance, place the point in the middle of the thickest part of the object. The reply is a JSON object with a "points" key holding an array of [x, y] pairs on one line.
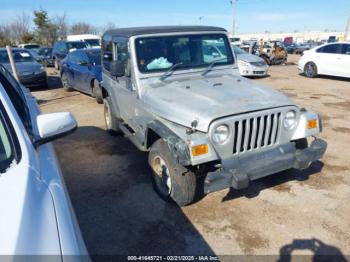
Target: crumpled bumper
{"points": [[237, 173]]}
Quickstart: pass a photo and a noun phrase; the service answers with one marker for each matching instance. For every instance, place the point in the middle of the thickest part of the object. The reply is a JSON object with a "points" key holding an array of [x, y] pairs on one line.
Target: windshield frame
{"points": [[180, 70]]}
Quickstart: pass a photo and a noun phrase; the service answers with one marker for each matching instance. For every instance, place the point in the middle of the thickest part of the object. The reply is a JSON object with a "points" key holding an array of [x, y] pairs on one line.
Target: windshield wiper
{"points": [[212, 64], [170, 71]]}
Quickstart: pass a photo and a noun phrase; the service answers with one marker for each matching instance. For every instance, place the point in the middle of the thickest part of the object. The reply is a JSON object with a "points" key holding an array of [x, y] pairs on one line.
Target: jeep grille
{"points": [[256, 132]]}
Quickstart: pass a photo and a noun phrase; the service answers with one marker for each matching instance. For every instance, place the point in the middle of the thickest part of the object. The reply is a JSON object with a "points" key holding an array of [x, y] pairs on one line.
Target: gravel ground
{"points": [[299, 212]]}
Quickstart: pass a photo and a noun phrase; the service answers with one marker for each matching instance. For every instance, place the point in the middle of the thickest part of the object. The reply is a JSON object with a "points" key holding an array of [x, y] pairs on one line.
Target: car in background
{"points": [[236, 41], [36, 56], [92, 41], [81, 70], [62, 48], [250, 65], [329, 59], [30, 72], [37, 217], [46, 55], [29, 46], [297, 49]]}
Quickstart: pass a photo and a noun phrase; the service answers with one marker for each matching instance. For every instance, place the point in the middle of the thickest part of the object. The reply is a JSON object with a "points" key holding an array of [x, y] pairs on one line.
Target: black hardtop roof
{"points": [[133, 31]]}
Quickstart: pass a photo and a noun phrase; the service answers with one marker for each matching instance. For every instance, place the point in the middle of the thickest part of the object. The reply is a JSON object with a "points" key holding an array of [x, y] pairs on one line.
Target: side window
{"points": [[122, 52], [74, 57], [9, 146], [82, 56], [16, 95], [107, 55], [330, 49], [62, 47], [346, 49]]}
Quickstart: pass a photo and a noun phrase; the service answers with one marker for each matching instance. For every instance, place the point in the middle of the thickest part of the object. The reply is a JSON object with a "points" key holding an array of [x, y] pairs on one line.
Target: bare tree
{"points": [[19, 29], [82, 28], [106, 27], [61, 24]]}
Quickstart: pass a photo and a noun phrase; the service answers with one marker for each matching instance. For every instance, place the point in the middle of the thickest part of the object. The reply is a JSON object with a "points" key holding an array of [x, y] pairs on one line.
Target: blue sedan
{"points": [[81, 70]]}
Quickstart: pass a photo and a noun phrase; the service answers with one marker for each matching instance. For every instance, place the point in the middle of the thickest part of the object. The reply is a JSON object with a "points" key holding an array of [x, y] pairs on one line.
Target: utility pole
{"points": [[12, 62], [232, 2], [347, 31]]}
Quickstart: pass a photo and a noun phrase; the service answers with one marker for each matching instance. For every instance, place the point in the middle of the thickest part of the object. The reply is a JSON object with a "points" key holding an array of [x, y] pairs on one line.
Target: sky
{"points": [[251, 15]]}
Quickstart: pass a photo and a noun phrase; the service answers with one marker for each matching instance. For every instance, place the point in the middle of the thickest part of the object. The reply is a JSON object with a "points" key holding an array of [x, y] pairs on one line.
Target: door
{"points": [[81, 70], [328, 59], [27, 218], [345, 60], [126, 93]]}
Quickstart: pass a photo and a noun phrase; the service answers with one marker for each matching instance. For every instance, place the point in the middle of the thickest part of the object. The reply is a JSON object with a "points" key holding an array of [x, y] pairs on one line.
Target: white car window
{"points": [[7, 152], [346, 49]]}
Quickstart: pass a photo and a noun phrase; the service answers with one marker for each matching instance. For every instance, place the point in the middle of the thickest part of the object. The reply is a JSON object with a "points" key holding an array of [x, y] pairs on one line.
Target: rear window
{"points": [[31, 46]]}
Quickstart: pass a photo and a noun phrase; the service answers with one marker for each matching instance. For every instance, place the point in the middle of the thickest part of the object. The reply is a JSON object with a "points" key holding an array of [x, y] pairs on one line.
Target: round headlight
{"points": [[221, 134], [290, 119]]}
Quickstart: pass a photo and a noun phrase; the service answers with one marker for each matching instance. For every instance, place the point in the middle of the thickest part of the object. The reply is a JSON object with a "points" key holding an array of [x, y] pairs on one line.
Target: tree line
{"points": [[43, 29]]}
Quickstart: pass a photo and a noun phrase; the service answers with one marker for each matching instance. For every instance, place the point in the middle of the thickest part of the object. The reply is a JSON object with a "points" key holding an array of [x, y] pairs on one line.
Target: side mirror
{"points": [[117, 68], [53, 126]]}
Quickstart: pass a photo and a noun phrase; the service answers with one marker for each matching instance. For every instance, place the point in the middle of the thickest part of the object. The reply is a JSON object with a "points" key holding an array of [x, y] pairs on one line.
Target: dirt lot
{"points": [[119, 213]]}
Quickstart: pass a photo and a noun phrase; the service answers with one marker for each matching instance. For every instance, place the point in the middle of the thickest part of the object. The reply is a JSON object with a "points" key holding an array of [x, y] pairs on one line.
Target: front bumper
{"points": [[237, 173], [253, 70], [34, 80]]}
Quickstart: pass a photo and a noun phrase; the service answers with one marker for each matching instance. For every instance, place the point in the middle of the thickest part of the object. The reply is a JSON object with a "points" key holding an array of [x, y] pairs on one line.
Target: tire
{"points": [[310, 70], [56, 65], [97, 92], [111, 122], [172, 182], [65, 83]]}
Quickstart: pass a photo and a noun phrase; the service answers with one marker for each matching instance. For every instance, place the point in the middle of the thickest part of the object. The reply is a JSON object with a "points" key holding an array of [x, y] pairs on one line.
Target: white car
{"points": [[92, 41], [329, 59], [36, 215], [250, 65]]}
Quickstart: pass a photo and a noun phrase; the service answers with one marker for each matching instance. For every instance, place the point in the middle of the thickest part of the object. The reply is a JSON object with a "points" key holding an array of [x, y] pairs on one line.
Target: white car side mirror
{"points": [[55, 125]]}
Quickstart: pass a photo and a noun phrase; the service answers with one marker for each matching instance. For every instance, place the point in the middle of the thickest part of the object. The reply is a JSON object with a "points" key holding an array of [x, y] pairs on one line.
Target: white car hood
{"points": [[207, 98], [249, 58]]}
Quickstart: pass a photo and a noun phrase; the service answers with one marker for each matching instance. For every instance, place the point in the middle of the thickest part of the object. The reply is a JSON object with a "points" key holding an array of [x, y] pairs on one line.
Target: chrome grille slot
{"points": [[256, 132]]}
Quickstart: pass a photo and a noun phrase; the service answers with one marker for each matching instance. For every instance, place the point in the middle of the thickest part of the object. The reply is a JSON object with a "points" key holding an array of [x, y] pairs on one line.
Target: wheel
{"points": [[310, 70], [65, 82], [56, 65], [172, 182], [97, 92], [112, 123]]}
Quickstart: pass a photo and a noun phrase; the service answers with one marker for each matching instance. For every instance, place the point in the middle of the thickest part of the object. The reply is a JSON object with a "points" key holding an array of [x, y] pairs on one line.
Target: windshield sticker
{"points": [[159, 63], [24, 54]]}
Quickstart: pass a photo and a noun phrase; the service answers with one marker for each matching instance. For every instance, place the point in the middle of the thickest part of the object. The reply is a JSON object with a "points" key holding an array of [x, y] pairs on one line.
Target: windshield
{"points": [[94, 57], [92, 42], [45, 51], [76, 45], [238, 51], [155, 54], [31, 46], [18, 56]]}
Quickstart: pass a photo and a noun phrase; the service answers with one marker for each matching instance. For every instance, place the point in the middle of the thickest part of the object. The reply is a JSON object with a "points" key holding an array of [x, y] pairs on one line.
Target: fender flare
{"points": [[178, 147]]}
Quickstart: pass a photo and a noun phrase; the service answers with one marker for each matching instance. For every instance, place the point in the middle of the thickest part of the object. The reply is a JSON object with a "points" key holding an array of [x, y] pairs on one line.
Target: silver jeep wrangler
{"points": [[205, 127]]}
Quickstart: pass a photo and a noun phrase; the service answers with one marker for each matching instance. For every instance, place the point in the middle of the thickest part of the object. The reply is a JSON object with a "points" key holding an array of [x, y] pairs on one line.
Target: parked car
{"points": [[46, 54], [273, 52], [62, 48], [29, 46], [92, 41], [199, 118], [329, 59], [250, 65], [30, 72], [81, 70], [297, 49], [37, 215], [36, 56]]}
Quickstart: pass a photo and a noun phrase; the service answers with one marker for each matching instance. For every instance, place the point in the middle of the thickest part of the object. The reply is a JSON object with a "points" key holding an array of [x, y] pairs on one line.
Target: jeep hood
{"points": [[207, 98]]}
